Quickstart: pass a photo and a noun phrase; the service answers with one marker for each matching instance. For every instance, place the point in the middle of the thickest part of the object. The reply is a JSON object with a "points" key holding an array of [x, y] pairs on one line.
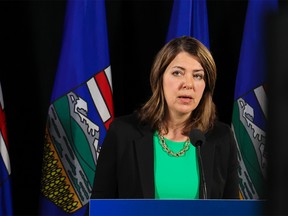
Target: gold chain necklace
{"points": [[170, 152]]}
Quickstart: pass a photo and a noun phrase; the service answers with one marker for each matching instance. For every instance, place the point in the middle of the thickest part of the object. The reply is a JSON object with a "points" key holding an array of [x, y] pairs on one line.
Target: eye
{"points": [[177, 73], [199, 76]]}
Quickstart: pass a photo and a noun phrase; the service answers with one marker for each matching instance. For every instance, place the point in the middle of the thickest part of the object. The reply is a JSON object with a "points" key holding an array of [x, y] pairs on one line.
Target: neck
{"points": [[175, 129]]}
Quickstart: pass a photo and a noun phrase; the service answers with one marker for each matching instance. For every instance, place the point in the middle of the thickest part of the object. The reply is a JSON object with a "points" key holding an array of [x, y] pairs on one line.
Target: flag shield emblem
{"points": [[248, 123], [72, 143]]}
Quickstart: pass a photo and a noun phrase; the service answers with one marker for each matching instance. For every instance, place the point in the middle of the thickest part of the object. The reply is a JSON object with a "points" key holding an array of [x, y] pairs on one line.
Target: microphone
{"points": [[197, 139]]}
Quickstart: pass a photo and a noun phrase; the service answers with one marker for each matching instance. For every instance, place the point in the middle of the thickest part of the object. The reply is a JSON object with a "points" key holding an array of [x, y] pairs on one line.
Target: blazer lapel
{"points": [[145, 159]]}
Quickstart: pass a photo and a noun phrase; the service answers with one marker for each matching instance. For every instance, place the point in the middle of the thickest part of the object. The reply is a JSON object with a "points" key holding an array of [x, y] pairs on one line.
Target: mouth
{"points": [[185, 99]]}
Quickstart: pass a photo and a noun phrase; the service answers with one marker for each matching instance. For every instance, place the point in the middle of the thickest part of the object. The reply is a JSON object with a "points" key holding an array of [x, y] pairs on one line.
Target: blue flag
{"points": [[189, 17], [80, 112], [5, 169], [250, 110]]}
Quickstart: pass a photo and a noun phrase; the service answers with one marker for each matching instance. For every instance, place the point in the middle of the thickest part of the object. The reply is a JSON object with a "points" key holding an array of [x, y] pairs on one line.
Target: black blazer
{"points": [[125, 167]]}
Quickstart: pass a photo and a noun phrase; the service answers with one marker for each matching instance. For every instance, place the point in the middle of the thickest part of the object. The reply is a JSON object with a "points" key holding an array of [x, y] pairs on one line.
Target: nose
{"points": [[188, 83]]}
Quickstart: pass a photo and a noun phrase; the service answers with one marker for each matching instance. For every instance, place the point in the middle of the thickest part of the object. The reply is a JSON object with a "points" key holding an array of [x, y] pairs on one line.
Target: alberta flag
{"points": [[5, 169], [189, 17], [80, 112], [250, 110]]}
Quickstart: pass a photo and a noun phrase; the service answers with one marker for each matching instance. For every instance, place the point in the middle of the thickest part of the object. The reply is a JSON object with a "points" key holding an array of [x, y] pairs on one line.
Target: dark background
{"points": [[278, 115], [30, 43]]}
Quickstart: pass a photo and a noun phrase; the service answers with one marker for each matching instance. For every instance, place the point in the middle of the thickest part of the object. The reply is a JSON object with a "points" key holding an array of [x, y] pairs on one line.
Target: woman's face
{"points": [[183, 85]]}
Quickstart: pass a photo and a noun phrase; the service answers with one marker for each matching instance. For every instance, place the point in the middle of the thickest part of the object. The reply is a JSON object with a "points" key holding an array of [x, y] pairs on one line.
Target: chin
{"points": [[185, 112]]}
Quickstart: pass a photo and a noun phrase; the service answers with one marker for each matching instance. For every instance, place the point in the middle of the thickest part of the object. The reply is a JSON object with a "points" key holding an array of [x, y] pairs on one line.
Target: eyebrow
{"points": [[196, 70]]}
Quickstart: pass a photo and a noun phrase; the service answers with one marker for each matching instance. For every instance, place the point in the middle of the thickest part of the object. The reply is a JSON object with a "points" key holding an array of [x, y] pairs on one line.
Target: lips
{"points": [[185, 98]]}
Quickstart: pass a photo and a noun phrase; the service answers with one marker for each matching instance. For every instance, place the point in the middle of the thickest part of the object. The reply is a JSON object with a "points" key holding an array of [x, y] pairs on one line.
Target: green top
{"points": [[175, 177]]}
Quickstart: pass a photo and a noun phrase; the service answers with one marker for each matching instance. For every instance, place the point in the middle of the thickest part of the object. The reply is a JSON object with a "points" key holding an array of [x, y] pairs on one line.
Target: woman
{"points": [[148, 154]]}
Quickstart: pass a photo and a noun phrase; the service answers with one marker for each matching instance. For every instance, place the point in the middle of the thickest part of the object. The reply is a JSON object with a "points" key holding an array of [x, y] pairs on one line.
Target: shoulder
{"points": [[130, 119], [127, 123], [219, 127], [221, 139], [220, 131]]}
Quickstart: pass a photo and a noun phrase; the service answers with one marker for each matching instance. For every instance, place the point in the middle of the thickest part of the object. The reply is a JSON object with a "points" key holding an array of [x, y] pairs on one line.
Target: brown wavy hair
{"points": [[154, 110]]}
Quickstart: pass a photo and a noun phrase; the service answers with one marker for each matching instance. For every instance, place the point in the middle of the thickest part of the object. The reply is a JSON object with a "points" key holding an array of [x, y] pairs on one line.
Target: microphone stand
{"points": [[197, 139], [202, 176]]}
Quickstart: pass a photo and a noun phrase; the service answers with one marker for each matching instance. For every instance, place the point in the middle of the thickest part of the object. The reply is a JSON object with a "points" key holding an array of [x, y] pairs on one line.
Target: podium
{"points": [[153, 207]]}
